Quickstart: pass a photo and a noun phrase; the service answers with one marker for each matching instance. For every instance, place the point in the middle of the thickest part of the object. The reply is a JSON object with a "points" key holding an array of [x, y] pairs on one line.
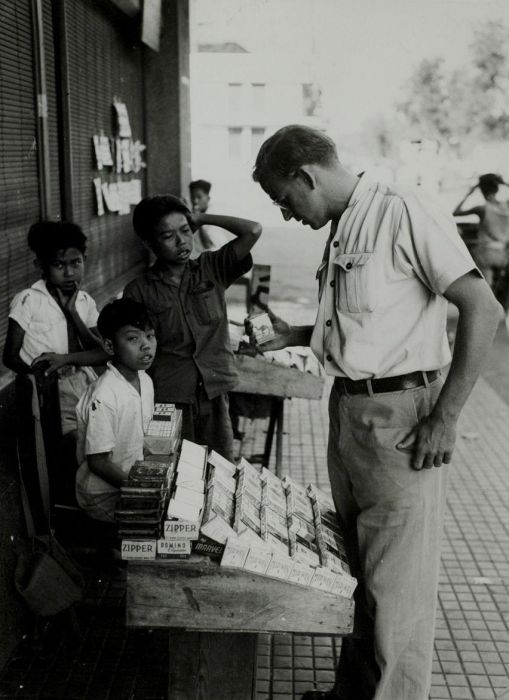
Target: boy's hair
{"points": [[46, 238], [149, 212], [120, 313], [489, 183], [289, 149], [202, 185]]}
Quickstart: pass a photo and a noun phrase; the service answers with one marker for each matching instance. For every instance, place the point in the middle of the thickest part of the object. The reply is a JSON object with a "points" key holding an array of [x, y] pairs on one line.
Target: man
{"points": [[391, 265]]}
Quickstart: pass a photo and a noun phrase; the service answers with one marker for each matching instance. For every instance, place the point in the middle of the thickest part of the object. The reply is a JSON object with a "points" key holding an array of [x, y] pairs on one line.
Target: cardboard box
{"points": [[218, 530], [173, 549], [280, 567], [216, 460], [234, 554], [257, 560]]}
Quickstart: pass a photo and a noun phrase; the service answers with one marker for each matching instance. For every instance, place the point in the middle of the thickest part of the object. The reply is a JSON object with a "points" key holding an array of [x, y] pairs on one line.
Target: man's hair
{"points": [[289, 149], [202, 185], [46, 238], [120, 313], [489, 183], [149, 212]]}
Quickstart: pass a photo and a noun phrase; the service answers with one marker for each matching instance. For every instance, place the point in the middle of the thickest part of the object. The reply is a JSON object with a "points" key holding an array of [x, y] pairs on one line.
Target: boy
{"points": [[53, 321], [194, 366], [115, 411], [204, 238]]}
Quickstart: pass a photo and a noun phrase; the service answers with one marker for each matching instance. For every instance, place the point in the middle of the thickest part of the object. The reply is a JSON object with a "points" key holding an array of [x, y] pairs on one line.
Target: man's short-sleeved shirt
{"points": [[386, 267], [43, 321], [112, 417], [191, 325]]}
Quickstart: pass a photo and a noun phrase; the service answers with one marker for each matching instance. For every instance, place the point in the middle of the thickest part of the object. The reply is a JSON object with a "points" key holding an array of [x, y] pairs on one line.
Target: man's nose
{"points": [[287, 214]]}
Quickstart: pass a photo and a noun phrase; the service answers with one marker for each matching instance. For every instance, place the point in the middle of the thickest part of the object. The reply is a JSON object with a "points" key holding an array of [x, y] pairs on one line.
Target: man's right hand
{"points": [[282, 329]]}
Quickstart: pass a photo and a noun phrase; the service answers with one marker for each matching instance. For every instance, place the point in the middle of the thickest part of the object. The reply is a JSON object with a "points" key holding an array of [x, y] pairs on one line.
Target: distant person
{"points": [[115, 411], [491, 250], [194, 366], [51, 324], [204, 238]]}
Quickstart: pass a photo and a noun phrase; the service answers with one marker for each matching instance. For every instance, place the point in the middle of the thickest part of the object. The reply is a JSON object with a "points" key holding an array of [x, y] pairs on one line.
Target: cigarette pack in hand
{"points": [[262, 328]]}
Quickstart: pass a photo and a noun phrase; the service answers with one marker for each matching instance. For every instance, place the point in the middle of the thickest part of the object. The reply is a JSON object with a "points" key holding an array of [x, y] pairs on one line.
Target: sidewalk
{"points": [[472, 638], [108, 662]]}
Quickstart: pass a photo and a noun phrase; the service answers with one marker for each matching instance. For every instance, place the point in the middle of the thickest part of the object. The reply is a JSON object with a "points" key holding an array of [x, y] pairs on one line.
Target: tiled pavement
{"points": [[107, 662]]}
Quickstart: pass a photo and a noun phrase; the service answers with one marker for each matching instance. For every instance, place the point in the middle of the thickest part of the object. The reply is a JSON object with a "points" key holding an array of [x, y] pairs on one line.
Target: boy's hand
{"points": [[53, 360]]}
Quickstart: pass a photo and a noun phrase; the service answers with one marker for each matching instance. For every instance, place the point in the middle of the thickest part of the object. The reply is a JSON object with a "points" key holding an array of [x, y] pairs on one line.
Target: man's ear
{"points": [[108, 346], [307, 175]]}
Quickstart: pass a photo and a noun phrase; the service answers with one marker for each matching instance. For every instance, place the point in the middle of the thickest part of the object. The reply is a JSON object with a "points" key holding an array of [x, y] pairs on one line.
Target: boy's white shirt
{"points": [[43, 321], [112, 417]]}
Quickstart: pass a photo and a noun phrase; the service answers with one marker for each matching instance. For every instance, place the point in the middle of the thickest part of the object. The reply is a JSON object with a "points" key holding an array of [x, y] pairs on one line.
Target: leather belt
{"points": [[385, 384]]}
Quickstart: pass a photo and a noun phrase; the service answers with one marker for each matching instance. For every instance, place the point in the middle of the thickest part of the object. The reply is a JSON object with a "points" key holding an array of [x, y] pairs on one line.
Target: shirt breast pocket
{"points": [[166, 323], [207, 303], [356, 288]]}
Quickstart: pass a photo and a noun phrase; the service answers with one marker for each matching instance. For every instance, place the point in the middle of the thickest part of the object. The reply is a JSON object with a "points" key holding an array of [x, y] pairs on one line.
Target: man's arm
{"points": [[84, 358], [479, 317], [247, 232], [286, 335]]}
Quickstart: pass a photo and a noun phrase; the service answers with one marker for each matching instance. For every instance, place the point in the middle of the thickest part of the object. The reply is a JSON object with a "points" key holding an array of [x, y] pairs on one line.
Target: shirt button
{"points": [[335, 244], [328, 323], [328, 358], [349, 266], [332, 283]]}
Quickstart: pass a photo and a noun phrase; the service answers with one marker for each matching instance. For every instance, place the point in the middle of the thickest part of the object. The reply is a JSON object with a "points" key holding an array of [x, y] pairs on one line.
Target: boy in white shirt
{"points": [[115, 411], [51, 324]]}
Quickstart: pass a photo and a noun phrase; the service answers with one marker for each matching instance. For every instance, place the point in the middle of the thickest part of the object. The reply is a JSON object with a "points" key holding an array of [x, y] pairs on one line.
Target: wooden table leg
{"points": [[270, 431], [212, 665]]}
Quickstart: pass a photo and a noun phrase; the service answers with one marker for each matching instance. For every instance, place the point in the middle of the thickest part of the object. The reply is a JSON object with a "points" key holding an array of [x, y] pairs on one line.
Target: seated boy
{"points": [[53, 320], [194, 366], [114, 412]]}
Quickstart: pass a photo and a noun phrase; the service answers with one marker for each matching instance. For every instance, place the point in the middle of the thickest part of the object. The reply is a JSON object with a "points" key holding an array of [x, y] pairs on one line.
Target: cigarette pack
{"points": [[180, 530], [150, 474], [185, 495], [298, 503], [135, 502], [139, 531], [218, 530], [273, 497], [271, 478], [216, 460], [190, 481], [208, 547], [182, 511], [244, 463], [246, 492], [333, 562], [301, 553], [246, 515], [219, 477], [164, 411], [280, 567], [344, 585], [257, 560], [327, 516], [262, 328], [138, 549], [234, 554], [276, 544], [317, 494], [301, 573], [323, 579], [173, 549], [273, 523], [193, 455], [218, 502], [151, 517], [302, 528], [250, 537]]}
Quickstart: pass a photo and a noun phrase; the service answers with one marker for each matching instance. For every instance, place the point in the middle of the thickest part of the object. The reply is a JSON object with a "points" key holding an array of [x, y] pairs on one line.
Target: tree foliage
{"points": [[454, 106]]}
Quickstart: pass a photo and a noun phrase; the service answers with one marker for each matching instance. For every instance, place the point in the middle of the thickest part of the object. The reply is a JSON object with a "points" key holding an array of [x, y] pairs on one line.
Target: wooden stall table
{"points": [[215, 613], [261, 378]]}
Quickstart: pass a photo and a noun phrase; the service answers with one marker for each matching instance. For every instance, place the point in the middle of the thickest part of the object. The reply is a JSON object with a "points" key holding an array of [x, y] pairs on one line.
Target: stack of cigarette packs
{"points": [[163, 432], [141, 507]]}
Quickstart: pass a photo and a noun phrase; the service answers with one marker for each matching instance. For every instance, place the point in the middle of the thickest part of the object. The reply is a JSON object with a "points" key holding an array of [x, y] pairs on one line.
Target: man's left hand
{"points": [[431, 441]]}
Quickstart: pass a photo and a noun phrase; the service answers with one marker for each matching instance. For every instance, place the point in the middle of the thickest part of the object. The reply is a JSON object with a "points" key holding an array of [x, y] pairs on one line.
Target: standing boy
{"points": [[194, 366], [115, 411], [204, 237]]}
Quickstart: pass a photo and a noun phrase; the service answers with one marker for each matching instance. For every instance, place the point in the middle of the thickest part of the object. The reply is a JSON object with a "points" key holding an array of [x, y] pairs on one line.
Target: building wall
{"points": [[92, 53]]}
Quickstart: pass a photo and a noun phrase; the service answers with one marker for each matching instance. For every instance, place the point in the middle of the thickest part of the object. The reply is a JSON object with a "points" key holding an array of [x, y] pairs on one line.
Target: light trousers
{"points": [[393, 520]]}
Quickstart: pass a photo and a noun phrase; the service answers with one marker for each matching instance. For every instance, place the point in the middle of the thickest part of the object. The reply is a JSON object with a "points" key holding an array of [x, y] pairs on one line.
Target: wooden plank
{"points": [[207, 665], [262, 377], [201, 595]]}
